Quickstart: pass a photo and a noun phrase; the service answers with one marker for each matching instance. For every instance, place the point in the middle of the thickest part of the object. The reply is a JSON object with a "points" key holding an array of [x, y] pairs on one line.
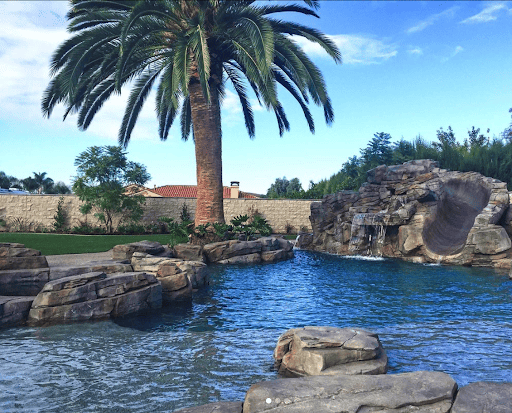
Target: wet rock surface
{"points": [[484, 397], [95, 296], [311, 351], [421, 391], [14, 310], [218, 407]]}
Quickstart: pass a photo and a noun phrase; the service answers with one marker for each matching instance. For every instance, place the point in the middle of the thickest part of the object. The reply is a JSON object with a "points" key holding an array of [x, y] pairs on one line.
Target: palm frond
{"points": [[137, 97]]}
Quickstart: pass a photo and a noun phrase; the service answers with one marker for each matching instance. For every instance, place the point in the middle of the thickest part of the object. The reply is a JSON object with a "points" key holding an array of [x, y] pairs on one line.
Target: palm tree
{"points": [[44, 184], [192, 49]]}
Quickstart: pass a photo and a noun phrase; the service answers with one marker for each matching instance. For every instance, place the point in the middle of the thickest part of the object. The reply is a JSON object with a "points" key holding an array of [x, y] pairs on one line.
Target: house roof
{"points": [[190, 191]]}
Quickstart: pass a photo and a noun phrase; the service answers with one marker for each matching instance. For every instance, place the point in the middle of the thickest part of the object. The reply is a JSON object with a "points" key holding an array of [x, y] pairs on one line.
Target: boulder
{"points": [[214, 251], [275, 256], [188, 252], [421, 392], [311, 351], [176, 284], [106, 267], [217, 407], [14, 310], [196, 271], [18, 251], [148, 263], [94, 296], [489, 240], [23, 282], [409, 238], [10, 262], [242, 259], [305, 240], [125, 251], [269, 244], [484, 397]]}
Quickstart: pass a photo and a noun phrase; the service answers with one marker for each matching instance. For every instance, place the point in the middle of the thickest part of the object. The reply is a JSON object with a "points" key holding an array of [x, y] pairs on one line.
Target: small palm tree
{"points": [[192, 49]]}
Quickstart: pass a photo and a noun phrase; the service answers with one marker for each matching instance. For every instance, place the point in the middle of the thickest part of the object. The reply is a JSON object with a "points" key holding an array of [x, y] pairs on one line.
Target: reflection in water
{"points": [[457, 320]]}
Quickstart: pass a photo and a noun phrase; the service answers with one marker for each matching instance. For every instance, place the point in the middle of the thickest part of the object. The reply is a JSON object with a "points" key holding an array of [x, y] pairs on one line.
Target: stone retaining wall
{"points": [[40, 210]]}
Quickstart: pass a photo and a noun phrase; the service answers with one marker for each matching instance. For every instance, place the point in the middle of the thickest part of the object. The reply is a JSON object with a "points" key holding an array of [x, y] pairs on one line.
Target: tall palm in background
{"points": [[192, 49]]}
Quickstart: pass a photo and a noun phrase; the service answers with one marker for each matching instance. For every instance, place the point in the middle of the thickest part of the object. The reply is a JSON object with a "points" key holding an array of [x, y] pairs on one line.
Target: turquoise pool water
{"points": [[453, 319]]}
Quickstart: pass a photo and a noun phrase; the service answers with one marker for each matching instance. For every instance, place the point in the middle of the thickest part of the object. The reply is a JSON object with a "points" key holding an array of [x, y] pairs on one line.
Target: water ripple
{"points": [[456, 320]]}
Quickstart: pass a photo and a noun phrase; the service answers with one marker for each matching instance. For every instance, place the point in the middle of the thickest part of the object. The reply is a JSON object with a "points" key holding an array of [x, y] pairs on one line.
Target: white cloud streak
{"points": [[457, 50], [415, 51], [488, 14], [432, 19], [355, 49]]}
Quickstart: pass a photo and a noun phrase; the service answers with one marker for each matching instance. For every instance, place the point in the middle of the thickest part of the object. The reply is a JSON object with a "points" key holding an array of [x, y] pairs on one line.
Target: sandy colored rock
{"points": [[310, 351], [189, 252], [125, 251]]}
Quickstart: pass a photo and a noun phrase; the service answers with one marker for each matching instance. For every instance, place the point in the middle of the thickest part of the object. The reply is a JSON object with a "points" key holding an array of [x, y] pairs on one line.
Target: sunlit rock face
{"points": [[418, 212]]}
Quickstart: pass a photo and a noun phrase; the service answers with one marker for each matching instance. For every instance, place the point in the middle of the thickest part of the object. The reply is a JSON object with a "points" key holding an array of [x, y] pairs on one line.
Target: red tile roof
{"points": [[190, 191]]}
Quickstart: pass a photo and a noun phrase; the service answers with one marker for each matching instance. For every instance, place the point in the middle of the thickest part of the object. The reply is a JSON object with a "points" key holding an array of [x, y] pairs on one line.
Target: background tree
{"points": [[284, 188], [44, 183], [102, 174], [194, 49], [7, 181]]}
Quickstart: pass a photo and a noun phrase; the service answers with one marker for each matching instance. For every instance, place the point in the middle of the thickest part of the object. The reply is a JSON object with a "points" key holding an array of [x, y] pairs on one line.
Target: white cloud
{"points": [[355, 49], [487, 14], [30, 32], [415, 51], [457, 50], [432, 19]]}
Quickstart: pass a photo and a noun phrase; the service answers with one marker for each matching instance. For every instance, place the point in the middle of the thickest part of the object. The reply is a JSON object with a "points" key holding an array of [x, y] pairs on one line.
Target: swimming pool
{"points": [[452, 319]]}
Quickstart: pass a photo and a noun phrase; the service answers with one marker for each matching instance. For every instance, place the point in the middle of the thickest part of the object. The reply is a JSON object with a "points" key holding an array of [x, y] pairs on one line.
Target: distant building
{"points": [[13, 191], [186, 191]]}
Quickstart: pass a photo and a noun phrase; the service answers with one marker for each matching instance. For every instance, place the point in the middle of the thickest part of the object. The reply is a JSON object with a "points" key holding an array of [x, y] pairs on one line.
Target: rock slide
{"points": [[418, 212]]}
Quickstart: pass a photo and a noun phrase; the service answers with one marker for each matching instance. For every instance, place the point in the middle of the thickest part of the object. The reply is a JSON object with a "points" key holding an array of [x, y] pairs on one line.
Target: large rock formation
{"points": [[95, 296], [422, 392], [23, 271], [178, 278], [312, 351], [266, 249], [420, 213]]}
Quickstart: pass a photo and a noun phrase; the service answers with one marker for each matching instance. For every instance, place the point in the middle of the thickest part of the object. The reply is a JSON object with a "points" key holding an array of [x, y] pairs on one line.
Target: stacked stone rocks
{"points": [[327, 359], [267, 249], [420, 213], [95, 296], [23, 273], [141, 276]]}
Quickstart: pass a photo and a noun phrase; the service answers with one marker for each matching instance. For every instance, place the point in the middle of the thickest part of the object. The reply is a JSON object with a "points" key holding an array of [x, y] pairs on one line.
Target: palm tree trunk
{"points": [[208, 144]]}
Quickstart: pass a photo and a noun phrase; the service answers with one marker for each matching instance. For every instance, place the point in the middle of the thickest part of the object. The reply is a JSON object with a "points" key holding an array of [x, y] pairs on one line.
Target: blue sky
{"points": [[408, 68]]}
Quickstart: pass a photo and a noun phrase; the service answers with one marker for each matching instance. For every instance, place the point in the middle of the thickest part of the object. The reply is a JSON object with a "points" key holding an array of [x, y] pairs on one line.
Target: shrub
{"points": [[131, 228], [19, 224], [60, 216]]}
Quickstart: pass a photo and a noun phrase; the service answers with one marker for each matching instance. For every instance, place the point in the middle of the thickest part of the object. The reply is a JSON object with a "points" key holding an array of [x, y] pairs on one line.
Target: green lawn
{"points": [[57, 244]]}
